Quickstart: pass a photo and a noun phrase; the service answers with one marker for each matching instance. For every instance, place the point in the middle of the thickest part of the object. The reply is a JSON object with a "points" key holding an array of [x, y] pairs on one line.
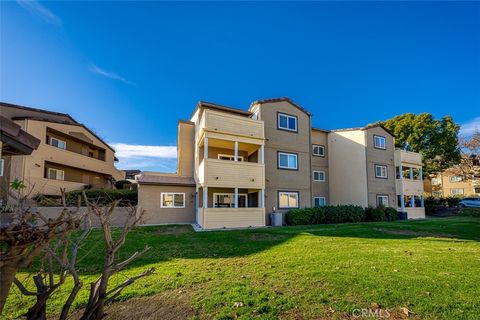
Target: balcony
{"points": [[228, 124], [217, 218], [403, 157], [231, 174], [408, 186]]}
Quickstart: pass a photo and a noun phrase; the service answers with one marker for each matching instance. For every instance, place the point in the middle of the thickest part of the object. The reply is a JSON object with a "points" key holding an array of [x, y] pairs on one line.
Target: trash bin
{"points": [[402, 215], [276, 219]]}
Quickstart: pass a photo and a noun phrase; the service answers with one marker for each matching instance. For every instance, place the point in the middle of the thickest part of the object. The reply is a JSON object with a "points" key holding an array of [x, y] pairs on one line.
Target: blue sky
{"points": [[130, 70]]}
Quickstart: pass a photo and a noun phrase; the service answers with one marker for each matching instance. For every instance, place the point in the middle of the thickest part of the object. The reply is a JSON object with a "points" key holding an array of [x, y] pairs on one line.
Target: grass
{"points": [[431, 267]]}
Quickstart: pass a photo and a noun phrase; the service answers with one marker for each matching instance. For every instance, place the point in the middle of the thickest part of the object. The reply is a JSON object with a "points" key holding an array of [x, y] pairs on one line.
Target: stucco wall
{"points": [[320, 189], [279, 140], [149, 197], [186, 149]]}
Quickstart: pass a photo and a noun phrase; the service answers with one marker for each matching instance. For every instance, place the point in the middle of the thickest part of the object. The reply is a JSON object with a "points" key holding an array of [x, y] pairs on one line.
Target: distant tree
{"points": [[435, 139], [469, 166]]}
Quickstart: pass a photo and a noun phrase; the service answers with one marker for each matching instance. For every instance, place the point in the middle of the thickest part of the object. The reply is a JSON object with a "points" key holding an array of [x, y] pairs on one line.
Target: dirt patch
{"points": [[170, 305], [416, 233]]}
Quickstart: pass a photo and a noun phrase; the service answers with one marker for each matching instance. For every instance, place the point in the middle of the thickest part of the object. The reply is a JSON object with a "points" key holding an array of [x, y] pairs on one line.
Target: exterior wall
{"points": [[447, 186], [31, 168], [293, 142], [217, 218], [186, 149], [96, 180], [320, 189], [347, 167], [380, 186], [149, 197]]}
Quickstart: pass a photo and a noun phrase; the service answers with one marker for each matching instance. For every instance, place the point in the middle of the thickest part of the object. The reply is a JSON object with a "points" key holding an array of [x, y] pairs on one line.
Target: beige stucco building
{"points": [[69, 155], [235, 167], [446, 184]]}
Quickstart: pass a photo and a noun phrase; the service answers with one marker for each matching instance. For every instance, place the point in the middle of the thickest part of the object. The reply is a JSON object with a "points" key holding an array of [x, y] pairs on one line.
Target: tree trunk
{"points": [[8, 270]]}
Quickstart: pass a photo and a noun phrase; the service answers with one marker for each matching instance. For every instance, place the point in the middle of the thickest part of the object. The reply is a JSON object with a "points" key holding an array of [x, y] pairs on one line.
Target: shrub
{"points": [[327, 214], [296, 217], [452, 201], [391, 214], [471, 212], [375, 214], [121, 184], [104, 196]]}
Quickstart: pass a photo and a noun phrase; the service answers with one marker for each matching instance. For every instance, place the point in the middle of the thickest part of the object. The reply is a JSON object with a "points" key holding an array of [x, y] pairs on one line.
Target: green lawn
{"points": [[431, 267]]}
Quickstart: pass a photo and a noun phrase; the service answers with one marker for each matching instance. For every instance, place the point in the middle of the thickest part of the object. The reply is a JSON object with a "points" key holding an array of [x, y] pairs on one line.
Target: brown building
{"points": [[68, 156], [235, 167]]}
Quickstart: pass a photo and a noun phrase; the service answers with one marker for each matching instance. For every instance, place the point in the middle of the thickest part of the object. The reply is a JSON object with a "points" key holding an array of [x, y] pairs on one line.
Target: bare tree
{"points": [[469, 166], [99, 292]]}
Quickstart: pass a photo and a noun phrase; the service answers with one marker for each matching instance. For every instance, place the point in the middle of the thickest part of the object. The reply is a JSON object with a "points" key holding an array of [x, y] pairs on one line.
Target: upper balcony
{"points": [[407, 158], [231, 174], [223, 124]]}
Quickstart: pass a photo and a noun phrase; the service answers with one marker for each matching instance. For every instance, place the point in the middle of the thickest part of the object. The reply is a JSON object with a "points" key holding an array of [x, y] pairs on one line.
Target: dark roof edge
{"points": [[212, 105], [167, 184], [38, 110], [365, 128], [287, 99], [320, 129]]}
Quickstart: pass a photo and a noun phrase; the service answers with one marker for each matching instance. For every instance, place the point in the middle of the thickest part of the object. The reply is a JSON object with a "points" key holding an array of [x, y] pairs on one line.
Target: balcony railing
{"points": [[231, 174], [231, 124]]}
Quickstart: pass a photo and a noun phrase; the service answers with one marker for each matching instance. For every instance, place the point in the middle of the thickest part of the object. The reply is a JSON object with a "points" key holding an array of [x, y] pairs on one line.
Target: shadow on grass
{"points": [[181, 242]]}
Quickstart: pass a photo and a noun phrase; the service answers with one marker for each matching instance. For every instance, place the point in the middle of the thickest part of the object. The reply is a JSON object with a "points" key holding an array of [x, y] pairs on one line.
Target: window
{"points": [[288, 199], [455, 179], [477, 189], [380, 171], [58, 143], [319, 176], [319, 202], [56, 174], [318, 151], [1, 167], [382, 200], [436, 181], [172, 200], [229, 157], [379, 142], [456, 191], [227, 200], [287, 161], [287, 122]]}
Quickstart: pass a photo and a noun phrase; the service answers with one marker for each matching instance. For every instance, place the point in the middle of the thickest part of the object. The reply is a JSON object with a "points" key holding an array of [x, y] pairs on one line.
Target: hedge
{"points": [[471, 212], [103, 196]]}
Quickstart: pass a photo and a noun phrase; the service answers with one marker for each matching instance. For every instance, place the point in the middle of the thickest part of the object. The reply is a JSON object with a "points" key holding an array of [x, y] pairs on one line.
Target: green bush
{"points": [[375, 214], [121, 184], [471, 212], [391, 214], [327, 214], [103, 196]]}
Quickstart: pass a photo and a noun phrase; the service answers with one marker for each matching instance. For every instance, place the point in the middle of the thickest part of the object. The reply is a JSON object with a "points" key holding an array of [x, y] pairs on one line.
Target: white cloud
{"points": [[470, 127], [146, 158], [36, 9], [109, 74]]}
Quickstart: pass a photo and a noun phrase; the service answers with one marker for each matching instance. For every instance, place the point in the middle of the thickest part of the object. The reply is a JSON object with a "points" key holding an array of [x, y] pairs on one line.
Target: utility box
{"points": [[276, 219]]}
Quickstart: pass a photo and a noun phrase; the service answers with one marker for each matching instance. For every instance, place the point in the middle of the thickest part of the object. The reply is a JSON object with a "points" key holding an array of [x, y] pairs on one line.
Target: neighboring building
{"points": [[69, 155], [445, 185], [131, 174], [235, 167]]}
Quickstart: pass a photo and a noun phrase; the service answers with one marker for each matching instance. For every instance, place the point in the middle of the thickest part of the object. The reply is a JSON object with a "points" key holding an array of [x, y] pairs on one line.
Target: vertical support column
{"points": [[262, 199], [422, 202], [402, 201], [205, 198], [421, 174], [412, 201], [205, 149], [411, 173], [236, 151], [401, 172], [262, 154], [236, 197]]}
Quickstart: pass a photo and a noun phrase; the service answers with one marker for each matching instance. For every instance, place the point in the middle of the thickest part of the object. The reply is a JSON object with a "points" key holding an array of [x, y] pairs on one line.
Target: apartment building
{"points": [[69, 155], [445, 185], [235, 167]]}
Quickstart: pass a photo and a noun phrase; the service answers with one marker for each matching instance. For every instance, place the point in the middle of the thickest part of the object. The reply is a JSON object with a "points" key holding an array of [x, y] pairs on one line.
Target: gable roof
{"points": [[165, 179], [211, 105], [281, 99], [18, 112], [370, 126]]}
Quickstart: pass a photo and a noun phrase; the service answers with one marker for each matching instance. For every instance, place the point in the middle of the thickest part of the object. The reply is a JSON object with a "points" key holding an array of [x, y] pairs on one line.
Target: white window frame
{"points": [[319, 172], [383, 197], [319, 199], [377, 142], [2, 163], [232, 205], [173, 200], [457, 193], [381, 176], [288, 162], [288, 193], [58, 142], [320, 147], [456, 179], [287, 116], [231, 156], [57, 171]]}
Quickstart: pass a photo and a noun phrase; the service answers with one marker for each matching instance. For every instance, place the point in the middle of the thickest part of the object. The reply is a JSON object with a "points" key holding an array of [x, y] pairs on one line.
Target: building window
{"points": [[381, 171], [172, 200], [436, 181], [287, 161], [382, 200], [319, 202], [456, 191], [227, 200], [455, 179], [477, 189], [1, 167], [229, 157], [379, 142], [287, 122], [319, 176], [318, 150], [56, 174], [58, 143], [288, 200]]}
